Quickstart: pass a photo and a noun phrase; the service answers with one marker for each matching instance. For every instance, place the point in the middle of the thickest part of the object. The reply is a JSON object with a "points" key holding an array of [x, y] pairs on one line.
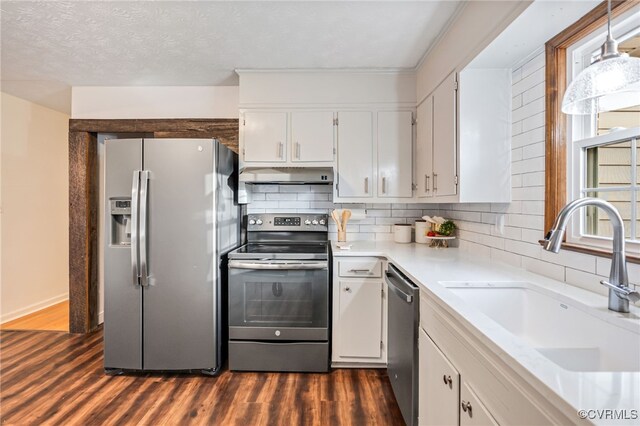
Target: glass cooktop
{"points": [[281, 251]]}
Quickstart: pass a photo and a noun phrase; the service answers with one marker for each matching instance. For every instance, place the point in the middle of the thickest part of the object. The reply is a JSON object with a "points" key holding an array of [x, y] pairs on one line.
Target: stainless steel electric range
{"points": [[279, 293]]}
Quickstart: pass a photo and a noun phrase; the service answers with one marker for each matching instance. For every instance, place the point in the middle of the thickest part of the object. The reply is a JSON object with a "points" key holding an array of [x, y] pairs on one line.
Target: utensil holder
{"points": [[342, 236]]}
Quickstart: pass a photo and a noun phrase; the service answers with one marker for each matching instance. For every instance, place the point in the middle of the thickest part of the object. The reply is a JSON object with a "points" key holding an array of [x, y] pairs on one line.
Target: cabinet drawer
{"points": [[362, 268]]}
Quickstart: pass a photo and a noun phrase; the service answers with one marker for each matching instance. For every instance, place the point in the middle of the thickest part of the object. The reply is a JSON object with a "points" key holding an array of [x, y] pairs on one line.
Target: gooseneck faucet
{"points": [[619, 291]]}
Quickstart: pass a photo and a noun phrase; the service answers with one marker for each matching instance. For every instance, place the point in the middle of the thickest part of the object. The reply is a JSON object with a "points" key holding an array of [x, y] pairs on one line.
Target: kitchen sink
{"points": [[572, 335]]}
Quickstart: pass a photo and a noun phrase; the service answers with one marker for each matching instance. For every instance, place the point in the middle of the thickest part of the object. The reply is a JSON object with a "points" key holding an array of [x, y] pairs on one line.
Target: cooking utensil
{"points": [[336, 219], [346, 215]]}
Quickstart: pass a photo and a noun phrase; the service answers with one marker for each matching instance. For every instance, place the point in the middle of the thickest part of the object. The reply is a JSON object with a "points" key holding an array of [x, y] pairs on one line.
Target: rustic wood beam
{"points": [[223, 129], [83, 231]]}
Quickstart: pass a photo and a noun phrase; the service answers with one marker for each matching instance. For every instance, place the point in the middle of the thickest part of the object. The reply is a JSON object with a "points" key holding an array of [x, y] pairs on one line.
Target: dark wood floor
{"points": [[57, 378]]}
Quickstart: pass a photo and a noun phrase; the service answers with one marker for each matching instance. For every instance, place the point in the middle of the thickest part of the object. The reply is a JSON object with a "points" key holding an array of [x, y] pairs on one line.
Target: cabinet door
{"points": [[312, 136], [439, 384], [444, 137], [472, 411], [355, 154], [424, 148], [359, 318], [395, 136], [264, 137]]}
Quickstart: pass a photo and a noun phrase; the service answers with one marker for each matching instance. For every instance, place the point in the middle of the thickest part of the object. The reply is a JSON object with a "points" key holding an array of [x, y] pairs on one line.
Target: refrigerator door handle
{"points": [[135, 255], [144, 198]]}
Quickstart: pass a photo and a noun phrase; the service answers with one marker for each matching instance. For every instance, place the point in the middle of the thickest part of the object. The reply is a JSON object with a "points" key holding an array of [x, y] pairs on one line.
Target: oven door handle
{"points": [[238, 264]]}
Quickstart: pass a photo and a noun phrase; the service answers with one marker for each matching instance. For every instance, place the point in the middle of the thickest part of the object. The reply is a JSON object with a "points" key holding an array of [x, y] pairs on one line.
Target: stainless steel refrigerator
{"points": [[170, 217]]}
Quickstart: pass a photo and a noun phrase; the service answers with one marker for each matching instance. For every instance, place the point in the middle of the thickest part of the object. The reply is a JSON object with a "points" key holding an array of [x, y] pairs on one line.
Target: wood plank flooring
{"points": [[54, 318], [54, 378]]}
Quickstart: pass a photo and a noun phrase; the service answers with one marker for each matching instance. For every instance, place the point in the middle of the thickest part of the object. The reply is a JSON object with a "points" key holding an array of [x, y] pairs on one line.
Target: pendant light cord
{"points": [[609, 18]]}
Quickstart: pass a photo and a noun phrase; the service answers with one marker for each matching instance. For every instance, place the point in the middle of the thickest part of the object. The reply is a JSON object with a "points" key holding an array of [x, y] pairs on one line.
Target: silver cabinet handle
{"points": [[447, 380], [360, 271], [466, 407], [366, 185], [298, 150], [144, 201], [426, 183], [384, 185], [280, 149], [435, 182], [135, 193]]}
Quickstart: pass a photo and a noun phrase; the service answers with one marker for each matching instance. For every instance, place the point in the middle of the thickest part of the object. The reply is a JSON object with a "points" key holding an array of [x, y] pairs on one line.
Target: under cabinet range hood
{"points": [[288, 175]]}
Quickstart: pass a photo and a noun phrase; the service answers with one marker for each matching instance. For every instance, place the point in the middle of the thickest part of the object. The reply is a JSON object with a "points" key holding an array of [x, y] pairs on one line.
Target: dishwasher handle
{"points": [[395, 281]]}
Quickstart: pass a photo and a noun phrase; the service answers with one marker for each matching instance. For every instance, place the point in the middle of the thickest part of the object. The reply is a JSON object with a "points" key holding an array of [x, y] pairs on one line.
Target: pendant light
{"points": [[611, 82]]}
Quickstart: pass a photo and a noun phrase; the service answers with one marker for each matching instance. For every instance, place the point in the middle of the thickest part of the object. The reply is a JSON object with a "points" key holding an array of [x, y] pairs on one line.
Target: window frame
{"points": [[556, 123]]}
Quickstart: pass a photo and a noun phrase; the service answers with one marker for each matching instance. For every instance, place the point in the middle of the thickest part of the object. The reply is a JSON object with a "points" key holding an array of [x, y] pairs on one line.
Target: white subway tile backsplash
{"points": [[555, 272], [571, 259], [506, 257], [585, 280], [523, 248], [529, 193], [534, 93], [532, 179], [281, 196], [534, 64], [534, 150], [529, 137], [533, 122]]}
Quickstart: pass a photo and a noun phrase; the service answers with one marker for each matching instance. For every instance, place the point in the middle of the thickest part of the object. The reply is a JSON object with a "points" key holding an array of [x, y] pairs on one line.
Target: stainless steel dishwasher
{"points": [[403, 322]]}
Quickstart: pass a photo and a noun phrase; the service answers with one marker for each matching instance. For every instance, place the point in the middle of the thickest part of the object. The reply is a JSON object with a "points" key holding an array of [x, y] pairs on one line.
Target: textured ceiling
{"points": [[187, 43]]}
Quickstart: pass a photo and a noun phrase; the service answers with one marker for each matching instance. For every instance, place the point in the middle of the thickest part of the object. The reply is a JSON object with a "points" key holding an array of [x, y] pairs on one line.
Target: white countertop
{"points": [[568, 390]]}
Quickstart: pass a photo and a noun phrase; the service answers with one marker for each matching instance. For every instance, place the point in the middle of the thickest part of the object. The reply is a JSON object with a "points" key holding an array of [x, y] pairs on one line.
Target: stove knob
{"points": [[252, 222], [314, 222], [307, 222], [322, 222], [259, 222]]}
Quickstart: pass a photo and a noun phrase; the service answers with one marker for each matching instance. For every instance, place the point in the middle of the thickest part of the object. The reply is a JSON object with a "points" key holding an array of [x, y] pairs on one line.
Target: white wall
{"points": [[476, 25], [35, 220], [154, 102], [524, 216], [326, 87]]}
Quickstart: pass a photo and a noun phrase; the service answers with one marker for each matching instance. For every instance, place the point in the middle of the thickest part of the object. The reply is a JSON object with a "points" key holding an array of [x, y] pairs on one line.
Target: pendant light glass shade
{"points": [[605, 85], [612, 82]]}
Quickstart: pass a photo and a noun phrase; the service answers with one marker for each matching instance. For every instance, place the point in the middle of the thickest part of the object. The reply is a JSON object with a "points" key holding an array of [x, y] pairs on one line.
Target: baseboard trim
{"points": [[10, 316], [100, 317]]}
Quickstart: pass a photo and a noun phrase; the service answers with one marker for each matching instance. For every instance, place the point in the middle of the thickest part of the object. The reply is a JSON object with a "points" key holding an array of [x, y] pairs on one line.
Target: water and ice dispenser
{"points": [[120, 208]]}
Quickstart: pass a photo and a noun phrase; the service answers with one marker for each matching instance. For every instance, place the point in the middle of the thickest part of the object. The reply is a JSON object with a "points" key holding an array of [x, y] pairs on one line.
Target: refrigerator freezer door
{"points": [[179, 331], [122, 294]]}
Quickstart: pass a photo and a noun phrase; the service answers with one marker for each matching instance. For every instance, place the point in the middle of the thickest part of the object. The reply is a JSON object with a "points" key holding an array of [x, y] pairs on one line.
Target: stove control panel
{"points": [[287, 222]]}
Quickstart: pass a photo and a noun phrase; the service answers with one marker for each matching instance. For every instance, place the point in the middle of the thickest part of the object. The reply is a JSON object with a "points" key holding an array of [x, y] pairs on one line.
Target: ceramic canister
{"points": [[422, 227], [402, 233]]}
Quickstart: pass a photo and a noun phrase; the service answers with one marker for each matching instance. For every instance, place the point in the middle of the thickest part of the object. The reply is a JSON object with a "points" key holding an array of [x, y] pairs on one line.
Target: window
{"points": [[603, 159], [599, 155]]}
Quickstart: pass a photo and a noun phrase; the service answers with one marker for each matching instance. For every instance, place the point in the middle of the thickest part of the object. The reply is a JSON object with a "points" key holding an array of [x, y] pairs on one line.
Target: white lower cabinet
{"points": [[473, 412], [359, 313], [484, 390], [439, 385]]}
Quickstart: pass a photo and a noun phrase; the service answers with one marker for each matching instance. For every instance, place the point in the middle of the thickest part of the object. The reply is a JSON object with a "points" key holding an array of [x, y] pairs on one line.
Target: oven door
{"points": [[278, 300]]}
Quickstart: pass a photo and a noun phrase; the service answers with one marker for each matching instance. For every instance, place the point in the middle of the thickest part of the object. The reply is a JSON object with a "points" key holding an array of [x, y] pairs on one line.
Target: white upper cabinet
{"points": [[424, 148], [280, 138], [463, 147], [264, 137], [444, 180], [395, 137], [312, 136], [355, 154]]}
